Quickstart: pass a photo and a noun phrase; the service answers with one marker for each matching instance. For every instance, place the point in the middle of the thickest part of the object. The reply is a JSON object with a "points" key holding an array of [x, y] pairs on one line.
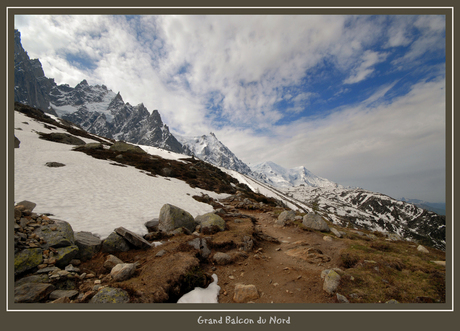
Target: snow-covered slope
{"points": [[91, 194], [208, 148], [280, 177]]}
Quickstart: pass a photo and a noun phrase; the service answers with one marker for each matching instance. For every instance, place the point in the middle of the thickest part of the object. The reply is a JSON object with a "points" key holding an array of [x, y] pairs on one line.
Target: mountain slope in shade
{"points": [[280, 177], [208, 148]]}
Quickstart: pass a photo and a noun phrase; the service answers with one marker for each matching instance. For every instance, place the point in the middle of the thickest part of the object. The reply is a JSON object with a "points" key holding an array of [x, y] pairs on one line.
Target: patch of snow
{"points": [[203, 295]]}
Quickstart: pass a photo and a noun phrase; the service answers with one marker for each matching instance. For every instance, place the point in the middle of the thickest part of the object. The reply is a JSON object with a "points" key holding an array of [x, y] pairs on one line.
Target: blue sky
{"points": [[359, 100]]}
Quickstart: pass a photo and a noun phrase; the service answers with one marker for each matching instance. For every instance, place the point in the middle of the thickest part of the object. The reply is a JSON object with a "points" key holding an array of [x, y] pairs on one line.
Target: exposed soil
{"points": [[281, 278], [278, 277]]}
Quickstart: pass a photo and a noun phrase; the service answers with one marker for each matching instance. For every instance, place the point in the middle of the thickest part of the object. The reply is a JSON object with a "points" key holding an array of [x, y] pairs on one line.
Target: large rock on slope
{"points": [[210, 222], [58, 234], [315, 222], [172, 217]]}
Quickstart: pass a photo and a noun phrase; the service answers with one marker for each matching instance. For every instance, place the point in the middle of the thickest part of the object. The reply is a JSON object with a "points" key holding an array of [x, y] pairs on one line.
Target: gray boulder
{"points": [[115, 243], [25, 205], [285, 216], [201, 245], [123, 271], [71, 294], [315, 222], [59, 234], [331, 282], [27, 259], [222, 258], [152, 225], [111, 262], [172, 217], [336, 232], [88, 245], [110, 295], [32, 292], [133, 238], [65, 255], [210, 222]]}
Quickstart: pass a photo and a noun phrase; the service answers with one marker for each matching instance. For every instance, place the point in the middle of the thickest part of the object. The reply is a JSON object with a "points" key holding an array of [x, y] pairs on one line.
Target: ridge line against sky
{"points": [[359, 100]]}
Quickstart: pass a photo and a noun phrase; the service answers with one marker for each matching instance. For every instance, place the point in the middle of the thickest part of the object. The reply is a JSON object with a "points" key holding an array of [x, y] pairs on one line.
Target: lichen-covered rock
{"points": [[209, 222], [172, 217], [58, 234], [331, 282], [32, 292], [27, 259], [110, 295], [315, 222], [65, 255], [114, 243], [245, 293], [88, 245]]}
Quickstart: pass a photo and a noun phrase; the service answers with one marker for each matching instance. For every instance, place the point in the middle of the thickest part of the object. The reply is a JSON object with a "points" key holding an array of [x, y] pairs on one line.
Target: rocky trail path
{"points": [[287, 271]]}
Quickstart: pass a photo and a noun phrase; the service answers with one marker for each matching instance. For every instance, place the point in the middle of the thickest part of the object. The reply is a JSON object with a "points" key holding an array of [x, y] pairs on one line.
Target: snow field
{"points": [[91, 194]]}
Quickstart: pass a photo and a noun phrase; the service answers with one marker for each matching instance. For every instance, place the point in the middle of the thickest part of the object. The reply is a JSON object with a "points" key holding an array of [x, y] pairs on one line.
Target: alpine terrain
{"points": [[102, 112]]}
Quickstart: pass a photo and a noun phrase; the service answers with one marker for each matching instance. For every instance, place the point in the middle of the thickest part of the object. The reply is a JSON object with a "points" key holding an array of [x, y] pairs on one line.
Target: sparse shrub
{"points": [[381, 246], [349, 260]]}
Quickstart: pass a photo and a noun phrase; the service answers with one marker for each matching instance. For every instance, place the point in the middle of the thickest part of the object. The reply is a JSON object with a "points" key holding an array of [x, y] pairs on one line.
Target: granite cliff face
{"points": [[31, 87]]}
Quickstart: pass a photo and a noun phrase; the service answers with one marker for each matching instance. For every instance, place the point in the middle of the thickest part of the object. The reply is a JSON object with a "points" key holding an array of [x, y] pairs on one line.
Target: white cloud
{"points": [[365, 68], [246, 63], [363, 145]]}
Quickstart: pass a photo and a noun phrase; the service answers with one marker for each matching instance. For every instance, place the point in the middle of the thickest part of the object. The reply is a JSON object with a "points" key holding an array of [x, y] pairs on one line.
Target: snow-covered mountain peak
{"points": [[278, 176], [210, 149]]}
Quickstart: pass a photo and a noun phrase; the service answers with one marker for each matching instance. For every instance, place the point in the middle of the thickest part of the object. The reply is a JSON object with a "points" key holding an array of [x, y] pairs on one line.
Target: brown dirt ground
{"points": [[278, 277]]}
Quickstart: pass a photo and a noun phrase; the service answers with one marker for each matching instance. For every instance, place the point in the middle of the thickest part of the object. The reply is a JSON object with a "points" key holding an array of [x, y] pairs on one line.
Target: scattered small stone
{"points": [[245, 293]]}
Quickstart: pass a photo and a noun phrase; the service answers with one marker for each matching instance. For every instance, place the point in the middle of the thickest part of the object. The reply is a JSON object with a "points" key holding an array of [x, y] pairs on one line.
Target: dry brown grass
{"points": [[378, 270]]}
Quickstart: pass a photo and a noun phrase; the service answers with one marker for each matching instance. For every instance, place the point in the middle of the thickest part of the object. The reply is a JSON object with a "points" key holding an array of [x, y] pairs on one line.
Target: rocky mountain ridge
{"points": [[359, 208], [208, 148]]}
